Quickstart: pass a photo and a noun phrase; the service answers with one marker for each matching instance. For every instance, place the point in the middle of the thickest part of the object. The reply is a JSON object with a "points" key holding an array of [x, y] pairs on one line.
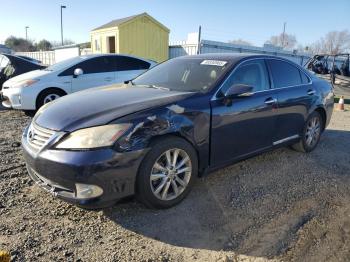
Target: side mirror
{"points": [[238, 90], [78, 72]]}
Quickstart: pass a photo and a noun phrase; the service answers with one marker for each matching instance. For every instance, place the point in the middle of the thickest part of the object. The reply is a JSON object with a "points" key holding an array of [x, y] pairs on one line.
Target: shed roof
{"points": [[118, 22]]}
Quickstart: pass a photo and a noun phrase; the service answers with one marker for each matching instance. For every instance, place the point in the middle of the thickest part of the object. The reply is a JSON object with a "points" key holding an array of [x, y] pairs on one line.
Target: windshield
{"points": [[184, 74], [66, 63]]}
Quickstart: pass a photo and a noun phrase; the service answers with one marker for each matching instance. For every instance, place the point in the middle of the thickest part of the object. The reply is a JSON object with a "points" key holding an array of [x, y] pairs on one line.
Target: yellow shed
{"points": [[139, 35]]}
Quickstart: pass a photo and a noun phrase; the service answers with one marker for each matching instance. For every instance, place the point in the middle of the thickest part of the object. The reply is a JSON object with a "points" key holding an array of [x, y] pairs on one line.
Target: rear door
{"points": [[97, 71], [246, 124], [295, 95], [129, 67]]}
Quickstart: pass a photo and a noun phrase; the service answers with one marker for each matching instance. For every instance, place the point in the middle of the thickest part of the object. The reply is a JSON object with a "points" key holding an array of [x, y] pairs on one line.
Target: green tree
{"points": [[19, 44], [43, 45]]}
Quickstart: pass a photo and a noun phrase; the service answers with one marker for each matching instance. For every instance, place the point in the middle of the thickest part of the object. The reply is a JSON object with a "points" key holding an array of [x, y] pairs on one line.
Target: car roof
{"points": [[232, 57], [108, 54]]}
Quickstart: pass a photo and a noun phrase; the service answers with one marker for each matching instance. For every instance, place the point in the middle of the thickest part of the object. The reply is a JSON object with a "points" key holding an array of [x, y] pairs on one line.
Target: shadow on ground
{"points": [[255, 207]]}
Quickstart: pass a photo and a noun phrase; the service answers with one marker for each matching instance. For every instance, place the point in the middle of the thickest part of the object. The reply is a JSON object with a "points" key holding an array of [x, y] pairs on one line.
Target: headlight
{"points": [[93, 137], [25, 83]]}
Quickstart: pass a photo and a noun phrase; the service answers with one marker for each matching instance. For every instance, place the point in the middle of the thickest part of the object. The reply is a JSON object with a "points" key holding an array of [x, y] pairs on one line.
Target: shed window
{"points": [[97, 45]]}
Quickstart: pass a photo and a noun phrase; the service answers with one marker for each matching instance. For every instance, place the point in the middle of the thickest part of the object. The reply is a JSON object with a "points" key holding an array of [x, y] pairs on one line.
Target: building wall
{"points": [[99, 40], [144, 38]]}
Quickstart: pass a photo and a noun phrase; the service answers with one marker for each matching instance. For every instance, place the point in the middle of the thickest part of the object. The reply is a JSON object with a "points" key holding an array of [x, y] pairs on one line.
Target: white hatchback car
{"points": [[31, 90]]}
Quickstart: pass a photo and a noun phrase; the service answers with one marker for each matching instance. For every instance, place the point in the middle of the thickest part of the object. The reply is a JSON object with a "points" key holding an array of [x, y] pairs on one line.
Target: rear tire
{"points": [[311, 134], [167, 173], [47, 96]]}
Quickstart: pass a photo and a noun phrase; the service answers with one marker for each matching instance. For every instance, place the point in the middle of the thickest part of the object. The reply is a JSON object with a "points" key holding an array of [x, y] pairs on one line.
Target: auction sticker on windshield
{"points": [[214, 62]]}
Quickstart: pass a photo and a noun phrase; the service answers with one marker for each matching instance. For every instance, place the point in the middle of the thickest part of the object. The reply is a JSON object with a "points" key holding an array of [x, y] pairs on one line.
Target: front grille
{"points": [[38, 136]]}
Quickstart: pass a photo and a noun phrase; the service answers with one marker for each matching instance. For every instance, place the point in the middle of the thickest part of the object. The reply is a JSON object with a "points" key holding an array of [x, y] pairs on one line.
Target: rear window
{"points": [[3, 61], [284, 74], [125, 63]]}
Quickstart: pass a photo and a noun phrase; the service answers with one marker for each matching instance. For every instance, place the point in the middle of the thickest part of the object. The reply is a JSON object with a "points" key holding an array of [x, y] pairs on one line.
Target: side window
{"points": [[304, 78], [125, 63], [253, 73], [92, 66], [97, 65], [284, 74]]}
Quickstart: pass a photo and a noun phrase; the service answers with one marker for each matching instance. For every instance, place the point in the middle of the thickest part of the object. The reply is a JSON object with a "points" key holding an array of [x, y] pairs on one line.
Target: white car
{"points": [[31, 90]]}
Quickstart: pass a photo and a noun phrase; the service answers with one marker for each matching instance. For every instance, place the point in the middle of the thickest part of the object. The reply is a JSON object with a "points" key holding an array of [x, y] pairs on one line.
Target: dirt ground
{"points": [[280, 206]]}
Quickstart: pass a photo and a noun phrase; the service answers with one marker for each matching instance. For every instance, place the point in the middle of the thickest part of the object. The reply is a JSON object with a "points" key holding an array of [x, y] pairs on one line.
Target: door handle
{"points": [[311, 92], [271, 101], [108, 79]]}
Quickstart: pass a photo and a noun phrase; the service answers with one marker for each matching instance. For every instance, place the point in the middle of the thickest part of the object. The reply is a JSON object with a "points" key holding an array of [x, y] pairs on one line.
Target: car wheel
{"points": [[47, 96], [167, 173], [311, 133]]}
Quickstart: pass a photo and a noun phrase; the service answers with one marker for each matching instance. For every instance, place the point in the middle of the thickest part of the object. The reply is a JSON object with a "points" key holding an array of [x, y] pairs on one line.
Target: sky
{"points": [[221, 20]]}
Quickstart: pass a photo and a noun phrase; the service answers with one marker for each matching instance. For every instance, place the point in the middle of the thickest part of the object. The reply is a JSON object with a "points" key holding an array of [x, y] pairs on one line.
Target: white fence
{"points": [[59, 54], [189, 48], [46, 57]]}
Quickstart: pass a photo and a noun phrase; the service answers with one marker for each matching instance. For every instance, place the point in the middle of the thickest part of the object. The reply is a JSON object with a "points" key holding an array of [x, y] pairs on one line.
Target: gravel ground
{"points": [[279, 206]]}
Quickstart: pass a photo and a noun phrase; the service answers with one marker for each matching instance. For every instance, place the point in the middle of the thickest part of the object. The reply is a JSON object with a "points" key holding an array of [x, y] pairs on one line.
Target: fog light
{"points": [[85, 191]]}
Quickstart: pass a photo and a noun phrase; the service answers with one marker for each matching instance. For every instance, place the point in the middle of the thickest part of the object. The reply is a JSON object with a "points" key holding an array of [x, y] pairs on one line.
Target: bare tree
{"points": [[65, 42], [284, 40], [240, 42], [333, 42]]}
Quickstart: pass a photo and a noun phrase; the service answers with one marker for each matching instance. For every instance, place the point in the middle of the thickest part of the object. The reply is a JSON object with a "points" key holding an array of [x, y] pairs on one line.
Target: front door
{"points": [[98, 71], [246, 124]]}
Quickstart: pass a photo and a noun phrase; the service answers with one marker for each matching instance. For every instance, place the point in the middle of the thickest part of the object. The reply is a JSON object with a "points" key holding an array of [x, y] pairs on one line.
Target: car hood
{"points": [[99, 106], [26, 76]]}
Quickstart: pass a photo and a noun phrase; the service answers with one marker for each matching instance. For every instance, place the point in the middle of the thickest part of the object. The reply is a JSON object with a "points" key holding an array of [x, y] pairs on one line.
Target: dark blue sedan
{"points": [[153, 136]]}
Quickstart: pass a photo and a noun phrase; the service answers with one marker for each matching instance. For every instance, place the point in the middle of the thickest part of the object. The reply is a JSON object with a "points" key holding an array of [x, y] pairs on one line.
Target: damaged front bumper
{"points": [[90, 179]]}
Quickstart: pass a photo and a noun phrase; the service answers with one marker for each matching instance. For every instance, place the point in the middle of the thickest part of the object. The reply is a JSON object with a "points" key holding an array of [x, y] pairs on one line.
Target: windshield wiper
{"points": [[149, 86], [159, 87]]}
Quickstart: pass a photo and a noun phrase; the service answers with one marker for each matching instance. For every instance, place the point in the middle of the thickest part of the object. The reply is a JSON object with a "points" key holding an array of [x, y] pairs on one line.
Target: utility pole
{"points": [[284, 32], [26, 32], [199, 40], [62, 6]]}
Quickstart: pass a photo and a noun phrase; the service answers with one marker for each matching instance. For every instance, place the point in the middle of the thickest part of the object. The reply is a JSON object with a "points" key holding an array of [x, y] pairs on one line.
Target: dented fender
{"points": [[187, 119]]}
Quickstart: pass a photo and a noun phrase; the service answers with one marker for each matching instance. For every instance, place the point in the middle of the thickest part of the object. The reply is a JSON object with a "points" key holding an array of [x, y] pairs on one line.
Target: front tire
{"points": [[311, 134], [47, 96], [167, 173]]}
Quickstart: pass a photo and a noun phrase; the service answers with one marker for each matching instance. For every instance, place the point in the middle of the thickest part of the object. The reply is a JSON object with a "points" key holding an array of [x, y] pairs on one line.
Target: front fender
{"points": [[183, 120]]}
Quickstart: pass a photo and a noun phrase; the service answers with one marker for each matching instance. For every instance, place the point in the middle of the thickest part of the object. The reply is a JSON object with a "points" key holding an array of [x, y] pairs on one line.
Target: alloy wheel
{"points": [[50, 98], [313, 130], [171, 174]]}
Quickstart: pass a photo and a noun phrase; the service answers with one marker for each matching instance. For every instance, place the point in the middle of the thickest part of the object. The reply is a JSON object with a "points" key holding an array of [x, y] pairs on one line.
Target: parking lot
{"points": [[282, 205]]}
